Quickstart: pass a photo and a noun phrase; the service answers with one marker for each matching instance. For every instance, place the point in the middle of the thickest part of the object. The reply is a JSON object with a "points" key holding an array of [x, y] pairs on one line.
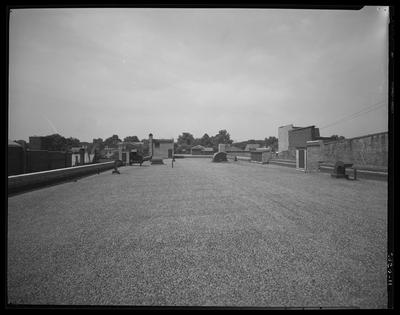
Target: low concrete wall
{"points": [[261, 156], [287, 155], [232, 154], [360, 173], [239, 158], [23, 182], [283, 162], [190, 156], [256, 156]]}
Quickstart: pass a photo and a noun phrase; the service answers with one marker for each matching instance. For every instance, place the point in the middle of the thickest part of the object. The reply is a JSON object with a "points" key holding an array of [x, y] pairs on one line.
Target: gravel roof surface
{"points": [[200, 233]]}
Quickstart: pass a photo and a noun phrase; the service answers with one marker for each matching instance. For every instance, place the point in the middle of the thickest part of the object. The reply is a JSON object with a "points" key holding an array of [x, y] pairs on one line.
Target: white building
{"points": [[80, 156], [126, 150], [283, 137], [161, 148]]}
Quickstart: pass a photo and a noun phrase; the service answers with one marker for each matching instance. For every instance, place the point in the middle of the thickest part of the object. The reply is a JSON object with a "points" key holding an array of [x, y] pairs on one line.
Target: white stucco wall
{"points": [[87, 158], [283, 137], [162, 151]]}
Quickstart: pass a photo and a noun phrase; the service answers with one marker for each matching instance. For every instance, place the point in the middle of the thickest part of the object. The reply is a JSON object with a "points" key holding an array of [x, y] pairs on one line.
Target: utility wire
{"points": [[357, 114]]}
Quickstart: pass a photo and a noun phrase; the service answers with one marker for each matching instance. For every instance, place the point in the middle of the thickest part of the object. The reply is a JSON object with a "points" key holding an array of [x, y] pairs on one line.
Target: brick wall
{"points": [[15, 160], [314, 155], [58, 160], [41, 160], [299, 137], [36, 161], [367, 152]]}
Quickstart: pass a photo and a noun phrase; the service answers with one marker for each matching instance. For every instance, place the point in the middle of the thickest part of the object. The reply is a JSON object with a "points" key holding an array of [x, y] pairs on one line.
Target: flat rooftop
{"points": [[200, 233]]}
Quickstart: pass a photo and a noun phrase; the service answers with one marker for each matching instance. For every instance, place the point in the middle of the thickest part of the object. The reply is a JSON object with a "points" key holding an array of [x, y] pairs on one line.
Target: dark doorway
{"points": [[170, 153], [301, 158]]}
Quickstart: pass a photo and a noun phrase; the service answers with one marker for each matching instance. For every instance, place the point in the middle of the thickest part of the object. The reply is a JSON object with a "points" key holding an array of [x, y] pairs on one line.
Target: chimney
{"points": [[151, 144], [221, 147]]}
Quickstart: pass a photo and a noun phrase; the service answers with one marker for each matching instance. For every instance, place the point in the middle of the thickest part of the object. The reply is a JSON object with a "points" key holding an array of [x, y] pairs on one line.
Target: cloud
{"points": [[134, 71]]}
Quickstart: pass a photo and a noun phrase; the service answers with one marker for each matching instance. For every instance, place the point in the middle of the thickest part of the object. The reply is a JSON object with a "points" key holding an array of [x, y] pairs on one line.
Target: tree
{"points": [[185, 139], [99, 145], [205, 141], [55, 142], [222, 137], [72, 142], [185, 142], [112, 141], [336, 137], [131, 139], [272, 142]]}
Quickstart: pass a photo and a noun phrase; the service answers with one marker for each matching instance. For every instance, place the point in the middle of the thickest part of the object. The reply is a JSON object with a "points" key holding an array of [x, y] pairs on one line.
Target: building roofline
{"points": [[13, 144], [368, 135], [163, 140], [299, 128]]}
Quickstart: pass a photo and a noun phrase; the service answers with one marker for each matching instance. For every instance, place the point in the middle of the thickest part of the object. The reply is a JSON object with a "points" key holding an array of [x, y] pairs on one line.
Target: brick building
{"points": [[127, 150], [39, 143], [298, 136]]}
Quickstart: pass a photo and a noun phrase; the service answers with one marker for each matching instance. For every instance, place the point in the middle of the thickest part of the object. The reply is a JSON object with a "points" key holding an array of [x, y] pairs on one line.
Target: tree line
{"points": [[184, 143]]}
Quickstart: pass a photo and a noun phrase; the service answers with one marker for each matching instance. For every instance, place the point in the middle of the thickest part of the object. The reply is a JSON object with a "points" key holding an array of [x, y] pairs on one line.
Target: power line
{"points": [[357, 114]]}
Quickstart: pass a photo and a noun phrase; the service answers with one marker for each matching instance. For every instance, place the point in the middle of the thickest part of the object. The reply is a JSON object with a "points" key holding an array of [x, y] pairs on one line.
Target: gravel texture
{"points": [[200, 234]]}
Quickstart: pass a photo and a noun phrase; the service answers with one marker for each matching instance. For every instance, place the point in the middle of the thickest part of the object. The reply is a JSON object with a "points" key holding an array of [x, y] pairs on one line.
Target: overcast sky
{"points": [[89, 73]]}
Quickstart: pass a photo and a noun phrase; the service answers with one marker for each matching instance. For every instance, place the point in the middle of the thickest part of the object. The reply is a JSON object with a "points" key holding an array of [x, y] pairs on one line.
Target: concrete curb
{"points": [[361, 173], [366, 174], [189, 156]]}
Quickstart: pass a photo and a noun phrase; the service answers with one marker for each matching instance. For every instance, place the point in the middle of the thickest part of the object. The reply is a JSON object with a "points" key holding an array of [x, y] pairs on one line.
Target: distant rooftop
{"points": [[299, 128], [163, 140], [13, 144], [198, 147]]}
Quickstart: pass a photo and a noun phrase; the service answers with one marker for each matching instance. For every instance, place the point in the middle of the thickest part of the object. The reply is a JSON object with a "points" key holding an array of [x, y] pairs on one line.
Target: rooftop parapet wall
{"points": [[24, 182], [370, 151]]}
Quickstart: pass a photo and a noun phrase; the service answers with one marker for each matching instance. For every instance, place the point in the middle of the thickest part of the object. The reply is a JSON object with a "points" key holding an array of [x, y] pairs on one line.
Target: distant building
{"points": [[80, 156], [126, 150], [110, 152], [225, 147], [200, 150], [197, 150], [161, 148], [39, 143], [233, 148], [298, 137], [267, 149], [283, 137], [208, 151], [251, 146], [222, 147], [292, 143]]}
